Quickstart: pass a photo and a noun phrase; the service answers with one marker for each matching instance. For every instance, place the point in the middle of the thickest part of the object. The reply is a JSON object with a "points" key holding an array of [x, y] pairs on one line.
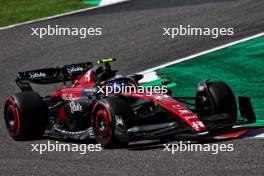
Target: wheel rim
{"points": [[12, 117], [103, 129]]}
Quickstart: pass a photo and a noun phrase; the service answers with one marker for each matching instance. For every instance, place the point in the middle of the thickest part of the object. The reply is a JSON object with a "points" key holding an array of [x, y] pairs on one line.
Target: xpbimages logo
{"points": [[129, 89], [60, 147], [56, 30], [189, 30], [193, 147]]}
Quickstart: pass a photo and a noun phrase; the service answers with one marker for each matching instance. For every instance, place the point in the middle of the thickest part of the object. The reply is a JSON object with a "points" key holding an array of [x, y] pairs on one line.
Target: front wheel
{"points": [[111, 119], [221, 100]]}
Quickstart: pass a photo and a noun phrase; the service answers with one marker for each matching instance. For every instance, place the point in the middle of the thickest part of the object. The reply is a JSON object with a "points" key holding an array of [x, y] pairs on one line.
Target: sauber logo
{"points": [[75, 107], [74, 69], [33, 75]]}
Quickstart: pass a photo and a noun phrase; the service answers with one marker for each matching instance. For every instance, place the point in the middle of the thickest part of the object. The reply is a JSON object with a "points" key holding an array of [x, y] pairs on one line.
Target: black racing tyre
{"points": [[111, 117], [223, 99], [25, 116]]}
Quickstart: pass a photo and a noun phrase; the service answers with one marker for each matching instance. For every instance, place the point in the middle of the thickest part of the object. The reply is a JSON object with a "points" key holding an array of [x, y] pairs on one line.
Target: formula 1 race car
{"points": [[80, 111]]}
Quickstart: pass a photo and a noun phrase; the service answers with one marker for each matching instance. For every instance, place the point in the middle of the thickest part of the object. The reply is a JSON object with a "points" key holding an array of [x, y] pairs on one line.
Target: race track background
{"points": [[132, 32], [239, 65]]}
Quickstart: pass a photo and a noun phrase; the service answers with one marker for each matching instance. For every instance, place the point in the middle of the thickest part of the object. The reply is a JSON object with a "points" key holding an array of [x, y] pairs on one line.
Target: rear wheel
{"points": [[25, 116], [111, 119]]}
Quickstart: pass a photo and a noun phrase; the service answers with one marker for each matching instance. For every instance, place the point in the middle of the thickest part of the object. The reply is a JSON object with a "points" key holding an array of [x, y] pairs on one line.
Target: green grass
{"points": [[16, 11], [241, 66]]}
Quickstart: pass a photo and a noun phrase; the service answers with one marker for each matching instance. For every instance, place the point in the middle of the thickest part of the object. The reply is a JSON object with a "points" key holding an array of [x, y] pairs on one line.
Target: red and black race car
{"points": [[80, 111]]}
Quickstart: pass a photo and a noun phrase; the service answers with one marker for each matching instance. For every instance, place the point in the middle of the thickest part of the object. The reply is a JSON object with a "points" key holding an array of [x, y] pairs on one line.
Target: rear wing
{"points": [[51, 75]]}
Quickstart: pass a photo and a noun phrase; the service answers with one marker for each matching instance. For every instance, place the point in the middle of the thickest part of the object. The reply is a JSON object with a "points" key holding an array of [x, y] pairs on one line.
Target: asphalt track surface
{"points": [[132, 32]]}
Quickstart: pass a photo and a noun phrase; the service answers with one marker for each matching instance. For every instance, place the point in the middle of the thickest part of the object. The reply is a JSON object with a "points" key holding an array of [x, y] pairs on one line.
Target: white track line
{"points": [[110, 2], [60, 15], [148, 71]]}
